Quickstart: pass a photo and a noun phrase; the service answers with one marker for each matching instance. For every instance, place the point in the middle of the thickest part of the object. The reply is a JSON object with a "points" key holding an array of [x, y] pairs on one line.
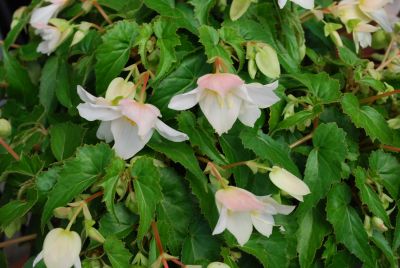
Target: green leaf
{"points": [[324, 163], [200, 247], [269, 149], [20, 85], [367, 118], [202, 9], [232, 37], [174, 211], [271, 251], [396, 236], [310, 235], [385, 168], [119, 224], [148, 192], [167, 39], [113, 54], [179, 81], [116, 252], [26, 166], [383, 245], [349, 57], [200, 136], [113, 174], [343, 259], [77, 175], [17, 208], [369, 197], [320, 85], [121, 5], [347, 224], [297, 118], [65, 138]]}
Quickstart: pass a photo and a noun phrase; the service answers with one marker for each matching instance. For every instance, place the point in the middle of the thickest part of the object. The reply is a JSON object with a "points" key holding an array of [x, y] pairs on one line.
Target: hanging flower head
{"points": [[41, 16], [129, 123], [53, 35], [240, 209], [224, 97], [61, 249]]}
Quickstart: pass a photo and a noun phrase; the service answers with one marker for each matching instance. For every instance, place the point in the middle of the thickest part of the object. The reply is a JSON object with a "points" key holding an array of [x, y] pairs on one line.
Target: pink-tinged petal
{"points": [[221, 112], [170, 133], [240, 225], [288, 182], [93, 112], [144, 115], [184, 101], [262, 95], [249, 114], [86, 96], [104, 132], [279, 208], [42, 15], [237, 199], [222, 221], [38, 258], [221, 83], [127, 142], [263, 223]]}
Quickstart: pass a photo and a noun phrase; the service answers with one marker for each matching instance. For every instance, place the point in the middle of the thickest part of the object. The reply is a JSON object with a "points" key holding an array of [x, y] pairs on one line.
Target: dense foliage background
{"points": [[329, 128]]}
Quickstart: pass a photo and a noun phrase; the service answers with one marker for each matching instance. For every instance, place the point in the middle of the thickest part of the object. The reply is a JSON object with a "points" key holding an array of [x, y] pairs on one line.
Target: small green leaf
{"points": [[381, 242], [396, 236], [27, 166], [202, 9], [113, 174], [117, 253], [119, 224], [65, 138], [349, 57], [148, 192]]}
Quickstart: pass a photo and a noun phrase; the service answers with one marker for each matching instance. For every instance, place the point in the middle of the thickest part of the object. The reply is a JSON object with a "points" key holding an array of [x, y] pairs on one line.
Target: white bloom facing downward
{"points": [[41, 16], [307, 4], [51, 36], [240, 209], [61, 249], [224, 98], [288, 182], [129, 123]]}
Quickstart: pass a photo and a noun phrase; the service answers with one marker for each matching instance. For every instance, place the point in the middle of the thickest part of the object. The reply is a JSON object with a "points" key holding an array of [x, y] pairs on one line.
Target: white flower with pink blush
{"points": [[41, 16], [239, 210], [129, 123], [224, 98]]}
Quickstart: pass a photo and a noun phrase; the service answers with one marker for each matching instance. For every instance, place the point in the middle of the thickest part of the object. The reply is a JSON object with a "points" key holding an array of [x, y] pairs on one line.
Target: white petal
{"points": [[170, 133], [307, 4], [249, 114], [364, 39], [93, 112], [184, 101], [288, 182], [222, 221], [104, 132], [126, 138], [42, 15], [279, 208], [38, 258], [77, 264], [262, 95], [263, 223], [240, 225], [86, 96], [282, 3], [221, 112], [382, 19]]}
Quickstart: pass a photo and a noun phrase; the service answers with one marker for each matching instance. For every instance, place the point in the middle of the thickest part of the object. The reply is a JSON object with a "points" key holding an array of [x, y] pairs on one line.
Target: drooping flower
{"points": [[61, 249], [307, 4], [129, 123], [224, 97], [41, 16], [239, 210], [52, 36], [288, 182]]}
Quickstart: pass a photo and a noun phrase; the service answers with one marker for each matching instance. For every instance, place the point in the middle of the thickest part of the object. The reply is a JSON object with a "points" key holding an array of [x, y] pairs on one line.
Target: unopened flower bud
{"points": [[267, 61], [62, 212], [218, 265], [380, 39], [5, 128], [367, 225], [238, 8], [17, 16], [95, 235], [394, 123], [379, 224], [130, 202], [87, 5]]}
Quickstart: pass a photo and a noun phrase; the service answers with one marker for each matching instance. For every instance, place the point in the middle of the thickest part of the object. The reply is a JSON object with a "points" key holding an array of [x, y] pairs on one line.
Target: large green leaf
{"points": [[380, 241], [201, 9], [367, 118], [65, 138], [113, 53], [116, 252], [146, 181], [347, 224], [118, 223], [77, 175]]}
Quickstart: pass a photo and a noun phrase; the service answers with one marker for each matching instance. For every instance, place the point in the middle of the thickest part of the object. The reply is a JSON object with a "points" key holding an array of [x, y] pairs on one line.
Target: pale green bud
{"points": [[131, 203], [17, 16], [94, 234], [380, 39], [5, 128], [394, 123], [379, 224], [62, 212], [252, 68], [267, 61], [367, 225], [82, 31], [87, 5], [218, 265], [238, 8]]}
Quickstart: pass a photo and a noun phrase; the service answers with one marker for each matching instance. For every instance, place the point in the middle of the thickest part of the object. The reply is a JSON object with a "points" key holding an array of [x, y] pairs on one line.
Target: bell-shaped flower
{"points": [[362, 35], [129, 123], [53, 36], [376, 11], [288, 182], [306, 4], [239, 210], [224, 97], [41, 16], [61, 249]]}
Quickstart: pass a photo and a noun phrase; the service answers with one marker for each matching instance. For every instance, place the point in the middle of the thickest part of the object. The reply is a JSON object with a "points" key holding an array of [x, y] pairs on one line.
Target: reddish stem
{"points": [[241, 163], [301, 141], [9, 149], [90, 198], [158, 243], [377, 97], [220, 65], [176, 261], [391, 148], [101, 11], [145, 79]]}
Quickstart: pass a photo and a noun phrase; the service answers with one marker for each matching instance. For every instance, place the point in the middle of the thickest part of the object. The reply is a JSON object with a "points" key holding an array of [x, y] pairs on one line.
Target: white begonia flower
{"points": [[129, 123], [362, 35], [239, 210], [41, 16], [217, 264], [288, 182], [224, 98], [306, 4], [375, 10], [61, 249], [51, 36]]}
